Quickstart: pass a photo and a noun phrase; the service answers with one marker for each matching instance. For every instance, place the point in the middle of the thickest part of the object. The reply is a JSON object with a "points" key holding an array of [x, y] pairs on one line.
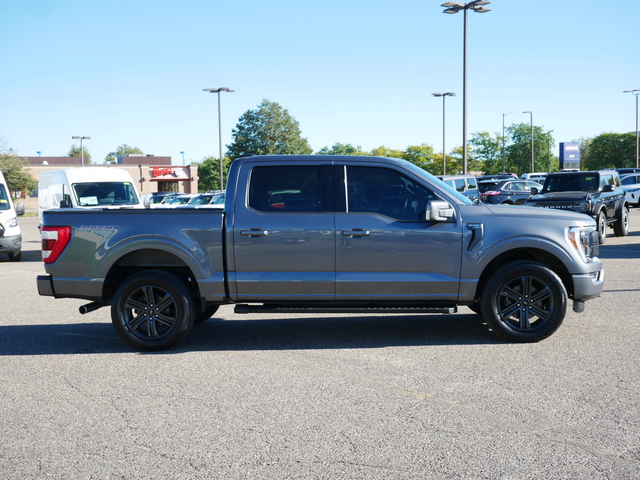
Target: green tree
{"points": [[341, 149], [16, 173], [518, 152], [454, 161], [486, 153], [74, 151], [609, 150], [269, 130], [383, 151], [209, 173], [423, 157], [121, 151]]}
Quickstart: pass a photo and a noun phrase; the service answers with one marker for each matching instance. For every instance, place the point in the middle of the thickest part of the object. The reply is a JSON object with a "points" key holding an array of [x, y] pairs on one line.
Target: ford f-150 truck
{"points": [[323, 234]]}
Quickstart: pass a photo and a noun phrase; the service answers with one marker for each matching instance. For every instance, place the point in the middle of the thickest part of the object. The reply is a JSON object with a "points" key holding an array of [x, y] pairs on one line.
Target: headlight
{"points": [[585, 241], [13, 222], [584, 206]]}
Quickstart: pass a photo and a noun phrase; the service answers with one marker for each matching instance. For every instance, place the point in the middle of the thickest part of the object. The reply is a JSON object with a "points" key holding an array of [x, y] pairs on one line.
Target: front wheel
{"points": [[152, 310], [621, 227], [602, 227], [524, 302], [15, 257]]}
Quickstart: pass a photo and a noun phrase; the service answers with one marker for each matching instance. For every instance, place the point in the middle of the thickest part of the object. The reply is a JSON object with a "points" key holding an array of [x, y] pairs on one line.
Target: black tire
{"points": [[152, 310], [524, 302], [15, 257], [621, 227], [207, 314], [601, 222]]}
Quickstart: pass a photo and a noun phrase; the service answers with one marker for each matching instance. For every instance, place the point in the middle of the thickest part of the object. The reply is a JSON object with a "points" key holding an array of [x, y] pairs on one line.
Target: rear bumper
{"points": [[45, 286], [85, 288]]}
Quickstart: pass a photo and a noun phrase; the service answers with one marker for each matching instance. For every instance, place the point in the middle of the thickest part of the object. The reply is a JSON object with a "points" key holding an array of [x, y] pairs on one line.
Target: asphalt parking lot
{"points": [[320, 397]]}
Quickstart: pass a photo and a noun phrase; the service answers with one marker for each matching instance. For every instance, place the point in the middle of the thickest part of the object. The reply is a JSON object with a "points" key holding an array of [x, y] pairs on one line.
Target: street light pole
{"points": [[81, 147], [455, 7], [218, 90], [635, 92], [444, 152], [504, 168], [532, 157], [182, 158]]}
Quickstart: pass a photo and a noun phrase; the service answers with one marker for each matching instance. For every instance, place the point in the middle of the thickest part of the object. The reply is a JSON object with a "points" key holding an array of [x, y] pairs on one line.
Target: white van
{"points": [[10, 235], [87, 187]]}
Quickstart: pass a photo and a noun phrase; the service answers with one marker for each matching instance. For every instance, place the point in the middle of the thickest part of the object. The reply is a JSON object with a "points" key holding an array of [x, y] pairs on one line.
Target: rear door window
{"points": [[295, 188]]}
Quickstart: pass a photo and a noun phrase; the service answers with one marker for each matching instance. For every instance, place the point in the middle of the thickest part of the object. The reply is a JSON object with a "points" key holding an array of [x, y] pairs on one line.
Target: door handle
{"points": [[254, 232], [356, 232]]}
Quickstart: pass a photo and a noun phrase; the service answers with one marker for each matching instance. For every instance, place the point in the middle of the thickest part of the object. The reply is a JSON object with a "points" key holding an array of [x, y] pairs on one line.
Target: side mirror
{"points": [[438, 211], [607, 188], [20, 209], [147, 202], [534, 191], [64, 204]]}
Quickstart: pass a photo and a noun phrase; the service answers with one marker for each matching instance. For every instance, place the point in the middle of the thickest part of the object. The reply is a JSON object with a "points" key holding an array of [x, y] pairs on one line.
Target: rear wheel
{"points": [[621, 227], [152, 310], [524, 302]]}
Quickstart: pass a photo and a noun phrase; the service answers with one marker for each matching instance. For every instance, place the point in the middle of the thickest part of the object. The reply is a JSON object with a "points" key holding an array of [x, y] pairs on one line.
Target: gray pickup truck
{"points": [[313, 234]]}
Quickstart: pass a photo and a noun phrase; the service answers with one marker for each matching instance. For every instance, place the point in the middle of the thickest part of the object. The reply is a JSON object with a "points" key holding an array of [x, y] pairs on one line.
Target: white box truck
{"points": [[87, 187], [10, 235]]}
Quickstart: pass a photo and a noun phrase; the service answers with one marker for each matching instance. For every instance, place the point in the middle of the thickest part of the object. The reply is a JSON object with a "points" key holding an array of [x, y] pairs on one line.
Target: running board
{"points": [[244, 308]]}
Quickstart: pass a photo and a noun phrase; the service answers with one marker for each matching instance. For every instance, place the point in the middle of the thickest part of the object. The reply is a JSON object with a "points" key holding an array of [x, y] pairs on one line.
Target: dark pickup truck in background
{"points": [[597, 193], [323, 234]]}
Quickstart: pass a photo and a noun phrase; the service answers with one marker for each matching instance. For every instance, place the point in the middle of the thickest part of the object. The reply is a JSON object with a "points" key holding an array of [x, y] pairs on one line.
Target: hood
{"points": [[516, 213], [556, 196]]}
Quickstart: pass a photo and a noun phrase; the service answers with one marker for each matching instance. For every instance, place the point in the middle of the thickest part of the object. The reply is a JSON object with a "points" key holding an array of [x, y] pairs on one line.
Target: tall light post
{"points": [[504, 167], [444, 152], [218, 90], [636, 92], [532, 144], [455, 7], [81, 147], [182, 157]]}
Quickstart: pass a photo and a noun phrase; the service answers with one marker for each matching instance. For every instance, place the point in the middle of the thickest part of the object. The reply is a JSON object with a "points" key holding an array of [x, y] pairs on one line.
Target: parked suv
{"points": [[467, 185], [596, 193], [507, 192]]}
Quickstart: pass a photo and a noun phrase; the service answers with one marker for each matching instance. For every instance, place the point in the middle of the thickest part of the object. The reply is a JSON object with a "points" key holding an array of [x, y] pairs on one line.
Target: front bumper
{"points": [[11, 244], [588, 285]]}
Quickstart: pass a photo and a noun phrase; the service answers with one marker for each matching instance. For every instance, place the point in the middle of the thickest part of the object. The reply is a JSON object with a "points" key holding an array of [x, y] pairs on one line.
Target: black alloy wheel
{"points": [[152, 310], [524, 302]]}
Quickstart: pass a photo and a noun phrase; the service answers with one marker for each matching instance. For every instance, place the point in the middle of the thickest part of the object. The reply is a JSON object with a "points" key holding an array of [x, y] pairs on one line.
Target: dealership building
{"points": [[150, 173]]}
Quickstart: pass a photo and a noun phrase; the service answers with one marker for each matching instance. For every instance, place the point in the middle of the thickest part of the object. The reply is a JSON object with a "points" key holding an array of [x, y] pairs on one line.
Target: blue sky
{"points": [[132, 72]]}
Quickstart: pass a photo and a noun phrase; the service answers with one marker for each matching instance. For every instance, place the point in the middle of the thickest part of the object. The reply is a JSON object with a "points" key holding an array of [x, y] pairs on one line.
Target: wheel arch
{"points": [[526, 254], [147, 259]]}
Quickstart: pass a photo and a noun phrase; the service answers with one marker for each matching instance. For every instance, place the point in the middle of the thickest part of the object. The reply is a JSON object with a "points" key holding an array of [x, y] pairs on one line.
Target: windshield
{"points": [[92, 194], [450, 190], [5, 204], [585, 182]]}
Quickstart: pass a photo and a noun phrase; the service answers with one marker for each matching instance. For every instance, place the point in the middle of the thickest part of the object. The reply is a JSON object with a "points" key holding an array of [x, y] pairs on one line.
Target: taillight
{"points": [[491, 192], [54, 241]]}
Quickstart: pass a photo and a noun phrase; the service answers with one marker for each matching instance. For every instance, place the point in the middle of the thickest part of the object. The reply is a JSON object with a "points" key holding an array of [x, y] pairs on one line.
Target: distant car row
{"points": [[506, 188], [171, 199]]}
